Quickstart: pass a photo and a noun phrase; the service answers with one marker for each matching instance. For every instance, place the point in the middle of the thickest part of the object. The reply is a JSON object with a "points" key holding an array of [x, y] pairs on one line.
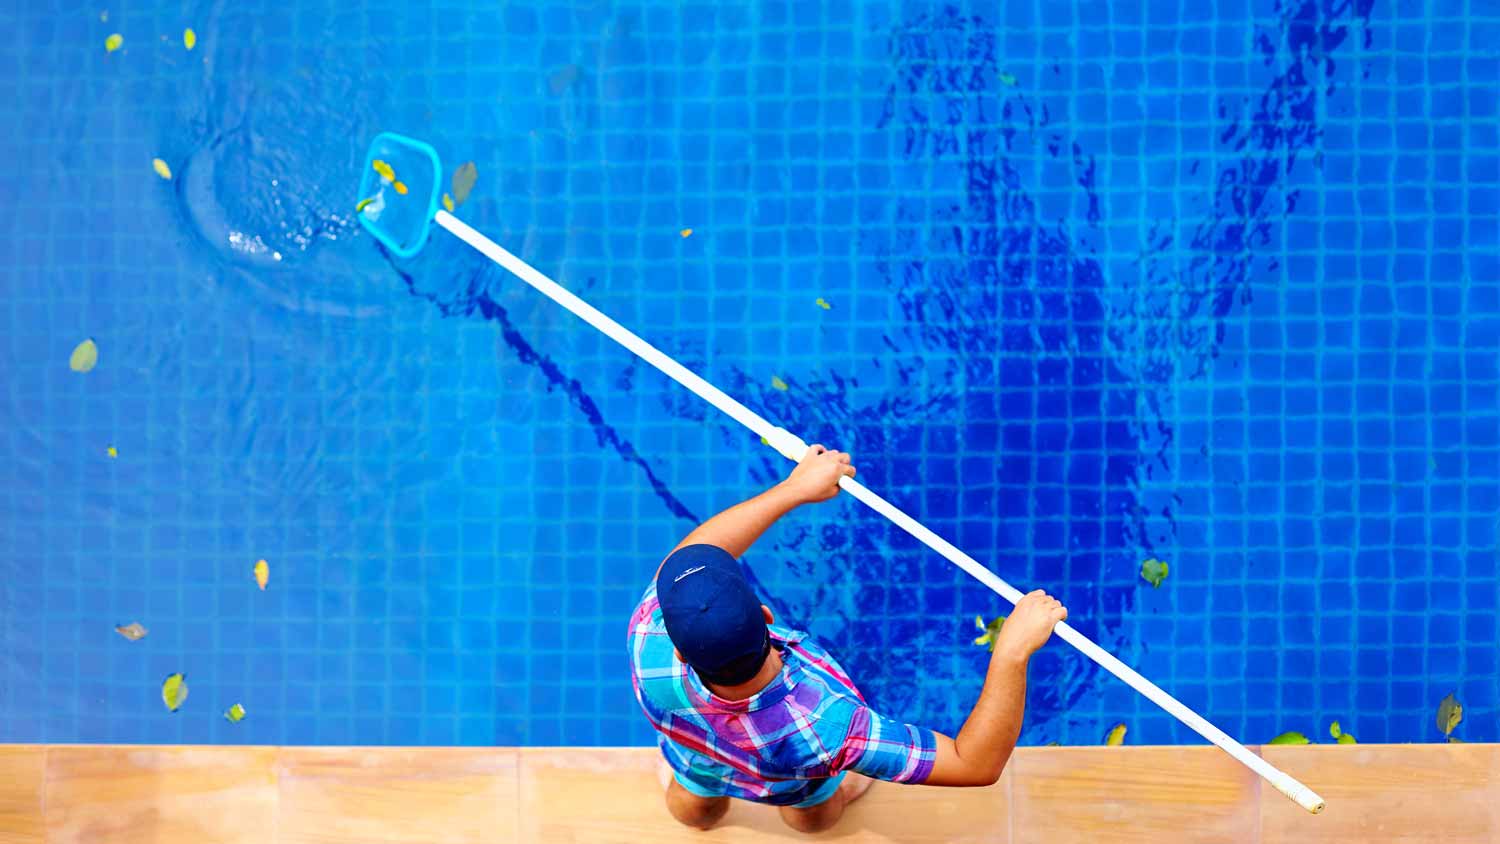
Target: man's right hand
{"points": [[1030, 626]]}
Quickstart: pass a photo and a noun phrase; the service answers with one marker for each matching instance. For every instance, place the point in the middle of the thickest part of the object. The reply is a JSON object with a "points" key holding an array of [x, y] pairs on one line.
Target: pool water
{"points": [[1104, 282]]}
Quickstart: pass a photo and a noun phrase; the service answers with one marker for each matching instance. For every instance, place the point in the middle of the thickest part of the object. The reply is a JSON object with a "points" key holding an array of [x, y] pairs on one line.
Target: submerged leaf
{"points": [[384, 170], [161, 168], [562, 79], [822, 303], [463, 181], [1334, 730], [85, 356], [174, 690], [1116, 736], [1289, 738], [262, 574], [1345, 738], [113, 42], [189, 38], [777, 382], [234, 714], [1449, 713], [991, 631], [686, 233], [132, 631], [448, 203], [1154, 572]]}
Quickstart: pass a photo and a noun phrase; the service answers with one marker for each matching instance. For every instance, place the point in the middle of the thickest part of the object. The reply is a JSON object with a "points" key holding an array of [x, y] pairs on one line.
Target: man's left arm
{"points": [[816, 478]]}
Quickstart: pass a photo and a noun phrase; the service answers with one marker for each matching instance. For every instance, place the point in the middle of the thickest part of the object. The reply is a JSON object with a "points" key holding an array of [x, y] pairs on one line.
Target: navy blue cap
{"points": [[712, 615]]}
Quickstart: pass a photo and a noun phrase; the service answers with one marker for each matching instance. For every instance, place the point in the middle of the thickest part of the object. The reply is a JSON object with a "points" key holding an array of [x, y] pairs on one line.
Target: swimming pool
{"points": [[1079, 286]]}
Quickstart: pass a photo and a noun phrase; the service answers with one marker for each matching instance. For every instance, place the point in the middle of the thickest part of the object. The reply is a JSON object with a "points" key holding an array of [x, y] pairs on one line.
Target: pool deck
{"points": [[127, 794]]}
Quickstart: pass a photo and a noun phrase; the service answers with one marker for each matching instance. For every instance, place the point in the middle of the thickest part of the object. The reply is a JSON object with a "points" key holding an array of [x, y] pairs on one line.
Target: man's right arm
{"points": [[984, 744]]}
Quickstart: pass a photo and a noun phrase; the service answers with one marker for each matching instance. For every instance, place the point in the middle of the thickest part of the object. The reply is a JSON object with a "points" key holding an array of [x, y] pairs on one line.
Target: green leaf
{"points": [[234, 714], [1345, 738], [463, 181], [1449, 713], [1333, 730], [991, 631], [1116, 736], [174, 690], [85, 356], [1154, 572], [1289, 738]]}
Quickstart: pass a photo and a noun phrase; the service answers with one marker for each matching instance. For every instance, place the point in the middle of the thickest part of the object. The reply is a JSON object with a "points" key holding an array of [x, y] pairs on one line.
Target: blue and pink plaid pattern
{"points": [[779, 745]]}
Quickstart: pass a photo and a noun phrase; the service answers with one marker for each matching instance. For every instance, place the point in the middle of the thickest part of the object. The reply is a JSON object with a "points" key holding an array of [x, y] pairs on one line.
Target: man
{"points": [[749, 709]]}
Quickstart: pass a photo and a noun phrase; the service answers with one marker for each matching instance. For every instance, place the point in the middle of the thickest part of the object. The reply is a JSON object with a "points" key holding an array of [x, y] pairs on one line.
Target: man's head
{"points": [[711, 614]]}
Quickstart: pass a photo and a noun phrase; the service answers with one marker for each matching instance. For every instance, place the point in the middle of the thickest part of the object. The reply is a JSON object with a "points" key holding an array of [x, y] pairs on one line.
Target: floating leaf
{"points": [[1449, 713], [1154, 572], [1334, 730], [400, 187], [764, 441], [1345, 738], [174, 690], [189, 38], [112, 451], [132, 631], [686, 233], [234, 714], [384, 170], [161, 168], [991, 631], [1007, 79], [362, 203], [778, 383], [262, 574], [85, 356], [1116, 736], [823, 303], [463, 181], [1289, 738], [448, 203], [114, 42]]}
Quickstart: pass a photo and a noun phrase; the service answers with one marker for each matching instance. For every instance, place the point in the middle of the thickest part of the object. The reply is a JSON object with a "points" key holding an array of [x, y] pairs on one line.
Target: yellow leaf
{"points": [[189, 38], [113, 42], [686, 232], [262, 574], [448, 203], [84, 357], [161, 168], [234, 714], [112, 452], [822, 303], [764, 441], [1450, 713], [174, 690], [1116, 736], [132, 631], [384, 170], [778, 383], [400, 187], [362, 203]]}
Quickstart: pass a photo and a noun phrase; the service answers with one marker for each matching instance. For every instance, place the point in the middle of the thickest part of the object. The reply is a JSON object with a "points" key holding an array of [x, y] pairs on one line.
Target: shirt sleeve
{"points": [[884, 749]]}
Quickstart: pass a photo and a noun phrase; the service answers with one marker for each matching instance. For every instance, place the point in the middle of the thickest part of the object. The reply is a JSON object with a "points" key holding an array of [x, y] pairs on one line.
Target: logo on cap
{"points": [[688, 572]]}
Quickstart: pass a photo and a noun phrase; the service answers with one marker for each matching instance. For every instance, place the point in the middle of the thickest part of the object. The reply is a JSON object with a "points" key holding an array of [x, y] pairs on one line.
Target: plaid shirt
{"points": [[809, 723]]}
